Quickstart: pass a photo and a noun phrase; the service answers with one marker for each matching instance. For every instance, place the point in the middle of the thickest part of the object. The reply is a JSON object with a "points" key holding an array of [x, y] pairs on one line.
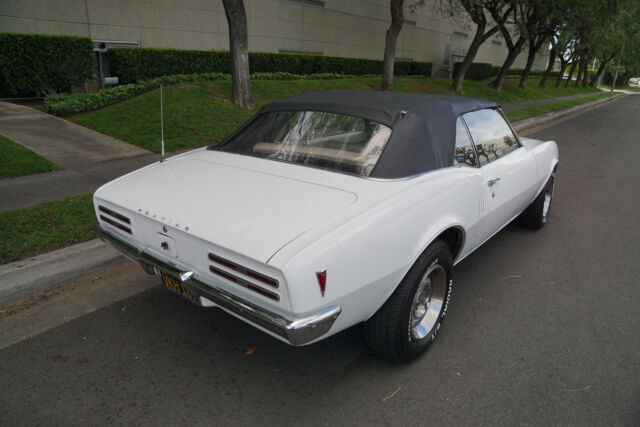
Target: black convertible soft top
{"points": [[423, 136]]}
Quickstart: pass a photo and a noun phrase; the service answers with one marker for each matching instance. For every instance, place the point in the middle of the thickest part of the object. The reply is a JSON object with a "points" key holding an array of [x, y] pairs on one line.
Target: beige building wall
{"points": [[354, 28]]}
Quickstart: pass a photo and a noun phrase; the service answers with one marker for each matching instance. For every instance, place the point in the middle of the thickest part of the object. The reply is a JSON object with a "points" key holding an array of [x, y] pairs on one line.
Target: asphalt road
{"points": [[544, 328]]}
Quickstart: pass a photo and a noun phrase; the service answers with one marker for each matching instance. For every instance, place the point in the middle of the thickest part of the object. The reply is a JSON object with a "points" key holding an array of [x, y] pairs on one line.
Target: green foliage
{"points": [[19, 161], [532, 73], [411, 68], [134, 63], [29, 231], [290, 76], [477, 71], [64, 105], [199, 113], [481, 71], [31, 63], [536, 110], [194, 116]]}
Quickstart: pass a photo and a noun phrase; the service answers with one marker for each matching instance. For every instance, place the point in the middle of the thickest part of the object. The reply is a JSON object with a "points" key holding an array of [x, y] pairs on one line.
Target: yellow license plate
{"points": [[175, 286]]}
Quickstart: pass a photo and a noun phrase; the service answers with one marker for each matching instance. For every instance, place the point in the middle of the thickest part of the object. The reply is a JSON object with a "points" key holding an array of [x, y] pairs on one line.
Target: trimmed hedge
{"points": [[483, 71], [477, 71], [31, 63], [131, 64], [65, 104]]}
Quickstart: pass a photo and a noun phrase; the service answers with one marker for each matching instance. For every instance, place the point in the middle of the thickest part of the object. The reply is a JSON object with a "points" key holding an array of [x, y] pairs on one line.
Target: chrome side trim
{"points": [[295, 331]]}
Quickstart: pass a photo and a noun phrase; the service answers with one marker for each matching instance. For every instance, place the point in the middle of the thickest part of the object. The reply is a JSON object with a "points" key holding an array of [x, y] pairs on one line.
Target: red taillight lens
{"points": [[322, 280]]}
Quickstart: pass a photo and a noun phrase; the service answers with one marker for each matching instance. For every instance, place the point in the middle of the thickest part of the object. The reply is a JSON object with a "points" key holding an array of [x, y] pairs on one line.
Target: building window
{"points": [[498, 42], [460, 34], [410, 22]]}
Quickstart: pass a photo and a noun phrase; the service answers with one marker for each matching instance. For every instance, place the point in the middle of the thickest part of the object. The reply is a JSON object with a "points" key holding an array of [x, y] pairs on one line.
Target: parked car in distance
{"points": [[331, 209]]}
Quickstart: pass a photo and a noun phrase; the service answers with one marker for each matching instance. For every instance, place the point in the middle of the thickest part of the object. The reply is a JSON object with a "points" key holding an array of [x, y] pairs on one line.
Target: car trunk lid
{"points": [[250, 212]]}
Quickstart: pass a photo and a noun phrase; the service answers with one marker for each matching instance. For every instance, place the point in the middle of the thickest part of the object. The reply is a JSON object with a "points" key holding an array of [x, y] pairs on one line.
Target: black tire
{"points": [[535, 216], [389, 331]]}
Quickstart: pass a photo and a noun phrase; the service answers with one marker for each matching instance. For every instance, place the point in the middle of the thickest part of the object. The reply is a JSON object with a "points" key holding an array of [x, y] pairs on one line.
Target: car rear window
{"points": [[313, 138]]}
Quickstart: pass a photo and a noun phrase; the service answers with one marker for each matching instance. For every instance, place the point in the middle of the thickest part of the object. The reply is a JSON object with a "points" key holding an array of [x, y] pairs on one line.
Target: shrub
{"points": [[31, 63], [411, 68], [134, 63], [477, 71], [64, 105]]}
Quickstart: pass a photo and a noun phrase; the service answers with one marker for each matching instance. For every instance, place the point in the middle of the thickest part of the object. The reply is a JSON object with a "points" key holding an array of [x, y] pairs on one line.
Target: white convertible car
{"points": [[334, 208]]}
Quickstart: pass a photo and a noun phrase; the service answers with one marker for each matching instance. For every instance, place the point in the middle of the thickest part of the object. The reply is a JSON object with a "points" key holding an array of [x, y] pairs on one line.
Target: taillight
{"points": [[322, 280]]}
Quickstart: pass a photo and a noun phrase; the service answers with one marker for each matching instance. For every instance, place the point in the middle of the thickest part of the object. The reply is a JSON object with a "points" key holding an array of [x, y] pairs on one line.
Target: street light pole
{"points": [[613, 83]]}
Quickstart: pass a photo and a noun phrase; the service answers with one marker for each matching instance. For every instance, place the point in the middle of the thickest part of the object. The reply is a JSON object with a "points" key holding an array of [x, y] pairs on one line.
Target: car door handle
{"points": [[492, 182]]}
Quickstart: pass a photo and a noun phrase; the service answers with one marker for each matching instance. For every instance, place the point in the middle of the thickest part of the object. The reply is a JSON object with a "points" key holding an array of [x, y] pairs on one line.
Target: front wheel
{"points": [[536, 214], [409, 321]]}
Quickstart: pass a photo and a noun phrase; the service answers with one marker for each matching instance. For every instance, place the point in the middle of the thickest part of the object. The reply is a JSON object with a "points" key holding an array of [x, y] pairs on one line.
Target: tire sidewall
{"points": [[438, 253]]}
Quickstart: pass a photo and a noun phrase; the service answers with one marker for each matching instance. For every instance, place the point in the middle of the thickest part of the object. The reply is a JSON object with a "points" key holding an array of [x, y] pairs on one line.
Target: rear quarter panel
{"points": [[368, 249]]}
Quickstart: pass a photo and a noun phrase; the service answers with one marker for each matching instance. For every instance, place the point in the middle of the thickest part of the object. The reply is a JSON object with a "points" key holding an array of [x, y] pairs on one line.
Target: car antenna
{"points": [[161, 128]]}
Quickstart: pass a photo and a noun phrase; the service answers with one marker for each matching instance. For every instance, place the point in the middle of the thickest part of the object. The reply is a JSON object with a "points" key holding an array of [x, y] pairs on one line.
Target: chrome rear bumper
{"points": [[295, 331]]}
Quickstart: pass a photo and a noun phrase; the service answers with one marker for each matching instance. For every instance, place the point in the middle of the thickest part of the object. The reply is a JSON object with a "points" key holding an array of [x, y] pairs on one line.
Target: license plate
{"points": [[175, 286]]}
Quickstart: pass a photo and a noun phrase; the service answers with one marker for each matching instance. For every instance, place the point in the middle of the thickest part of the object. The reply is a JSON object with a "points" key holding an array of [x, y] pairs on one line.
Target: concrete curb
{"points": [[22, 278], [534, 123], [48, 270]]}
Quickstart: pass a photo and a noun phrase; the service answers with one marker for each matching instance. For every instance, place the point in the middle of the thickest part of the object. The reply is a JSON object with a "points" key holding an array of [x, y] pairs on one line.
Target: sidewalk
{"points": [[32, 190], [88, 158]]}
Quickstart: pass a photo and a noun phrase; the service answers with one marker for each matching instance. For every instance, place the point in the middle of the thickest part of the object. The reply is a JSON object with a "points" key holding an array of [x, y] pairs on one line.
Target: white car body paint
{"points": [[289, 221]]}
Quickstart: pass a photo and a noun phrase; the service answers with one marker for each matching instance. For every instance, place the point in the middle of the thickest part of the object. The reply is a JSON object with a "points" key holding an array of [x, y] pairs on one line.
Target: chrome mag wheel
{"points": [[428, 302], [548, 195]]}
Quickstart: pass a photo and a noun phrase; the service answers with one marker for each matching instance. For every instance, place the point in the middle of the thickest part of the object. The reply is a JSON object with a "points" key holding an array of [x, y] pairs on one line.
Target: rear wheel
{"points": [[409, 321], [536, 214]]}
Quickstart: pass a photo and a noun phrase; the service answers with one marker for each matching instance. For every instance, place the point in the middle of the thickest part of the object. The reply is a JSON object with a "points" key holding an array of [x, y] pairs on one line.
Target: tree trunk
{"points": [[477, 41], [563, 68], [594, 79], [580, 72], [547, 72], [571, 70], [511, 57], [397, 19], [239, 50], [531, 56], [585, 75]]}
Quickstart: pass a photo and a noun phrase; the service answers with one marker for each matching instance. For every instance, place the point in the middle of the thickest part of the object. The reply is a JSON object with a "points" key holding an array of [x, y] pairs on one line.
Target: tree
{"points": [[566, 45], [541, 24], [571, 70], [476, 11], [622, 28], [553, 54], [239, 52], [397, 19], [522, 11], [603, 62]]}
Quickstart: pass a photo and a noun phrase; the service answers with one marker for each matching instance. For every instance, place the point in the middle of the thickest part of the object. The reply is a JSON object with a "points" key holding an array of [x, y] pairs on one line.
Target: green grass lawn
{"points": [[15, 160], [524, 113], [200, 113], [30, 231]]}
